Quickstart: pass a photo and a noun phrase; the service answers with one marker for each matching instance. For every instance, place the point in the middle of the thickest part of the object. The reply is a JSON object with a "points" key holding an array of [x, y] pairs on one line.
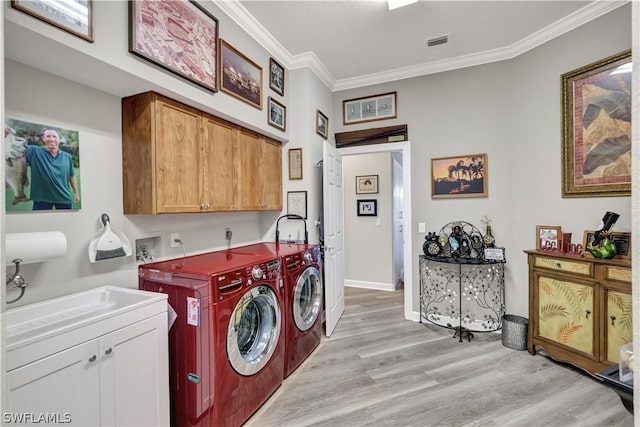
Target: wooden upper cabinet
{"points": [[272, 175], [178, 162], [260, 178], [177, 159], [220, 158]]}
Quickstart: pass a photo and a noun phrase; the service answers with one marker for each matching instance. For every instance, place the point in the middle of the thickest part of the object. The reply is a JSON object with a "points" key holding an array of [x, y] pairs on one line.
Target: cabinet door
{"points": [[219, 148], [178, 158], [134, 375], [565, 313], [250, 165], [618, 318], [64, 387], [272, 175]]}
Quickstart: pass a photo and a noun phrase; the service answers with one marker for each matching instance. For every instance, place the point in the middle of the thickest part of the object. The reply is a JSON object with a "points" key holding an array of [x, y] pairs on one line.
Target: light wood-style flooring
{"points": [[378, 369]]}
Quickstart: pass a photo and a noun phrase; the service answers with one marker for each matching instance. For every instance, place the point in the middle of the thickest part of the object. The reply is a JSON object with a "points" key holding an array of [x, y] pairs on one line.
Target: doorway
{"points": [[403, 157]]}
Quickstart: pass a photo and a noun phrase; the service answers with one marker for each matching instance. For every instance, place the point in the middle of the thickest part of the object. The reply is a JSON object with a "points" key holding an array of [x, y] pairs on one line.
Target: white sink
{"points": [[47, 318]]}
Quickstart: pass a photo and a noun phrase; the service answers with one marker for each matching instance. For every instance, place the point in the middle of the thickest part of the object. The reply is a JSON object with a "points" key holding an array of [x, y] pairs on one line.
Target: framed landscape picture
{"points": [[596, 128], [322, 124], [459, 176], [241, 77], [179, 36]]}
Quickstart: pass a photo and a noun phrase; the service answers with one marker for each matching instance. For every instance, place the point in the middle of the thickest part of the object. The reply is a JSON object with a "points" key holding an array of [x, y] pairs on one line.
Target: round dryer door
{"points": [[253, 330], [307, 299]]}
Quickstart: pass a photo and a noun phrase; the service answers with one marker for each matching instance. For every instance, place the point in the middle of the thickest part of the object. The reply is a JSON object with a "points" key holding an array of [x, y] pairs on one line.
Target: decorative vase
{"points": [[488, 239]]}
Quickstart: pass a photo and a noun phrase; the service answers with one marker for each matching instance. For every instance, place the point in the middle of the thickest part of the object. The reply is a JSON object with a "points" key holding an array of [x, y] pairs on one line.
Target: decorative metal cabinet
{"points": [[459, 288], [579, 308]]}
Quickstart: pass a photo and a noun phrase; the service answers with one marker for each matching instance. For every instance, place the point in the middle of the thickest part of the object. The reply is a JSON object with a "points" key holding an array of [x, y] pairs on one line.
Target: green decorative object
{"points": [[605, 249]]}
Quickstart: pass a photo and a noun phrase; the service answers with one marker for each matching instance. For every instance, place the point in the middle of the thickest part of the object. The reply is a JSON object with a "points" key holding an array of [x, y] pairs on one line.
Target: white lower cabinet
{"points": [[119, 378]]}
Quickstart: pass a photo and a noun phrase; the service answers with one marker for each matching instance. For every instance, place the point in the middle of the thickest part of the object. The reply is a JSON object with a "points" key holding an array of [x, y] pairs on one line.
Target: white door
{"points": [[333, 236], [398, 237]]}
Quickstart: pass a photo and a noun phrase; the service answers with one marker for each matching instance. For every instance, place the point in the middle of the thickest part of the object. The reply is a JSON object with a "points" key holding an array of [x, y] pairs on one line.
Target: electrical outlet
{"points": [[175, 240], [227, 233]]}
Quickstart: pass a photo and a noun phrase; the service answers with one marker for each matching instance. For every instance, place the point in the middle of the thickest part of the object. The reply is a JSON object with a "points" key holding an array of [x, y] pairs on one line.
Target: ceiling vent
{"points": [[437, 41]]}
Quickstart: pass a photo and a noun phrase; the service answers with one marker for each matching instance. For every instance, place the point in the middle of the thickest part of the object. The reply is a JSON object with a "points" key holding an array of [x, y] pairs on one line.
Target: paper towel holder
{"points": [[17, 280]]}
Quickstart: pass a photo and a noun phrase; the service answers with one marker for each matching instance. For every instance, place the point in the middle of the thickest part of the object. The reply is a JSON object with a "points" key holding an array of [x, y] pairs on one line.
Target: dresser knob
{"points": [[558, 265], [613, 321], [588, 312]]}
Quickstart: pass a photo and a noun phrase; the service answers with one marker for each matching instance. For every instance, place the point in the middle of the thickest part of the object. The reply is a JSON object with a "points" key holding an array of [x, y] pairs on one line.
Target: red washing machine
{"points": [[303, 295], [227, 344]]}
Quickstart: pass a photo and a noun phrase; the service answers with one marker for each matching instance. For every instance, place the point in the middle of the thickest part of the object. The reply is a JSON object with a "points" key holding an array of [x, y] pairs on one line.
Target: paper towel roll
{"points": [[35, 247]]}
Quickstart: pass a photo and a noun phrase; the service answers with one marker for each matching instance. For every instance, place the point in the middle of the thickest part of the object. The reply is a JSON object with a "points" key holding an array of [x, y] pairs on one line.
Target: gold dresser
{"points": [[579, 308]]}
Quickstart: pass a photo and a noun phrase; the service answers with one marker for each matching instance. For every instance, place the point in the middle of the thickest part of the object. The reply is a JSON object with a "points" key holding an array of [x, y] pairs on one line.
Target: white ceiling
{"points": [[357, 43]]}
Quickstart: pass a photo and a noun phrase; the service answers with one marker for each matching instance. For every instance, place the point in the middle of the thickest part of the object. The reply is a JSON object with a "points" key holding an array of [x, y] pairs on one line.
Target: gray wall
{"points": [[55, 78], [511, 111]]}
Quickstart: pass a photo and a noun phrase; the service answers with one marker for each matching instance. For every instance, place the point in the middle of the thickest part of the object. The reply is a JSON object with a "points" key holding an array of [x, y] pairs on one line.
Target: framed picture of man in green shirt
{"points": [[42, 167]]}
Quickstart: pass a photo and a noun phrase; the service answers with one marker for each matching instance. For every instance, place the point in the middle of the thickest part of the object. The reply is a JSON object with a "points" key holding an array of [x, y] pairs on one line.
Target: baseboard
{"points": [[390, 287]]}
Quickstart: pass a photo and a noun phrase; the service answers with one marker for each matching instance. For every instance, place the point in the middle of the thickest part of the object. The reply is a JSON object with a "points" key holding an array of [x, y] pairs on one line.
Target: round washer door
{"points": [[254, 329], [307, 299]]}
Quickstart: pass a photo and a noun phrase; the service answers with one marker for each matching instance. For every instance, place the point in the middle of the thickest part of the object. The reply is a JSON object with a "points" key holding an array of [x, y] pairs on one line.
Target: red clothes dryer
{"points": [[227, 344], [303, 295]]}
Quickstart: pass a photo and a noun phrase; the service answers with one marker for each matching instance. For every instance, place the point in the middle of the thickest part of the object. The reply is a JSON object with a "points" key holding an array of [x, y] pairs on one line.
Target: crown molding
{"points": [[242, 17]]}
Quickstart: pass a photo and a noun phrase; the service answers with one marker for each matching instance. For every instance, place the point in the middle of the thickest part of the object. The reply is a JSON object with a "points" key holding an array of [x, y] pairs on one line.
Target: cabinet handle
{"points": [[93, 358], [108, 351], [613, 321], [558, 265], [588, 312]]}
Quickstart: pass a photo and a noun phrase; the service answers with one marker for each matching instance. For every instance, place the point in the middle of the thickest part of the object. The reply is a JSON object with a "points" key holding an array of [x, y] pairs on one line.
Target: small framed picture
{"points": [[240, 77], [295, 163], [367, 184], [368, 207], [548, 237], [297, 203], [322, 124], [276, 76], [277, 114]]}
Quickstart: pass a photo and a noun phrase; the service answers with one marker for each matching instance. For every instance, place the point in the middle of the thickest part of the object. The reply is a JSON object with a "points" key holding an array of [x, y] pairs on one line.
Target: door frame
{"points": [[405, 149]]}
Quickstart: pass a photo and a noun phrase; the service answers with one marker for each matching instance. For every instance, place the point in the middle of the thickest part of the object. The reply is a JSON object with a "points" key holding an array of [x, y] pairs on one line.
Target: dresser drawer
{"points": [[620, 274], [568, 266]]}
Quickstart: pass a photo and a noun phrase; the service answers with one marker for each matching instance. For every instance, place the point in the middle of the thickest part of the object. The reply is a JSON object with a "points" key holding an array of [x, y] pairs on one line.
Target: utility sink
{"points": [[45, 319]]}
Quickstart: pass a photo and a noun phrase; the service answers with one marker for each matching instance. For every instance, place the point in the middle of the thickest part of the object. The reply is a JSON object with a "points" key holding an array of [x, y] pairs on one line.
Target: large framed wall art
{"points": [[72, 16], [179, 36], [596, 128]]}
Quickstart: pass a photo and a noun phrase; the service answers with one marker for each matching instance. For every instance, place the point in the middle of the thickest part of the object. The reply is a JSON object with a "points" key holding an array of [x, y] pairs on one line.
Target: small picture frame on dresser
{"points": [[548, 238]]}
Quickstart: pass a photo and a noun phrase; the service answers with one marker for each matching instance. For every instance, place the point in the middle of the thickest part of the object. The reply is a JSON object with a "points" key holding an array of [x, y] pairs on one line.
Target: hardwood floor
{"points": [[378, 369]]}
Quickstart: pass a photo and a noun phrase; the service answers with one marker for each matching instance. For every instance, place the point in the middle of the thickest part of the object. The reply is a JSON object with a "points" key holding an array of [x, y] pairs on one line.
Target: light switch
{"points": [[379, 221], [422, 227]]}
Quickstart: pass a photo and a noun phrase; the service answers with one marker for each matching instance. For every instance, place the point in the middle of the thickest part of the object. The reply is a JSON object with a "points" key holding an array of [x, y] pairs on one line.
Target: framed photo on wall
{"points": [[370, 108], [295, 163], [276, 114], [30, 187], [148, 39], [276, 76], [367, 184], [368, 207], [297, 203], [322, 125], [72, 16], [241, 77], [459, 176], [596, 128]]}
